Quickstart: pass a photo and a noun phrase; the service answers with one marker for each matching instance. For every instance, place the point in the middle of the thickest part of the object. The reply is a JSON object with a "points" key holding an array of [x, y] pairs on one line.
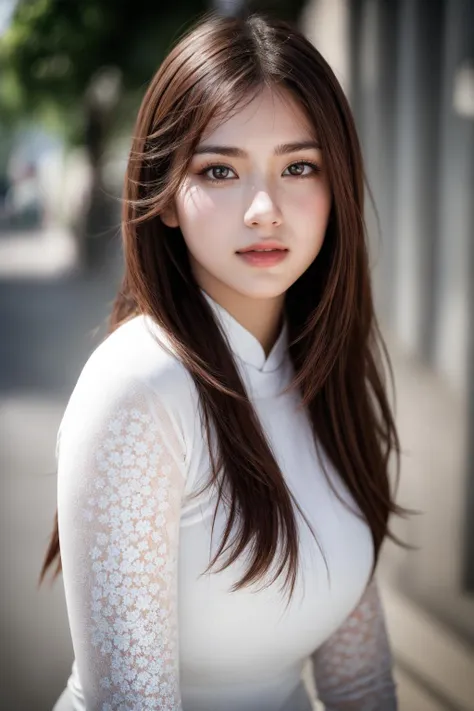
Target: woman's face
{"points": [[250, 184]]}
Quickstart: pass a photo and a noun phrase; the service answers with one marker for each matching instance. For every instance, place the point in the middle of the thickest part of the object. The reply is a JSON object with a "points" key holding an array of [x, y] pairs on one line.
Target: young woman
{"points": [[223, 486]]}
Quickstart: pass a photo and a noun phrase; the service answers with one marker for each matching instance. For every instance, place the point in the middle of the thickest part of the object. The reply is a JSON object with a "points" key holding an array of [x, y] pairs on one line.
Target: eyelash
{"points": [[206, 168]]}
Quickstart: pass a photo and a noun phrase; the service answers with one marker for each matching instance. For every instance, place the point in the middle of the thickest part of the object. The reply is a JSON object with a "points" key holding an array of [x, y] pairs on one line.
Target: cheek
{"points": [[311, 206], [194, 205], [198, 206], [204, 222], [309, 215]]}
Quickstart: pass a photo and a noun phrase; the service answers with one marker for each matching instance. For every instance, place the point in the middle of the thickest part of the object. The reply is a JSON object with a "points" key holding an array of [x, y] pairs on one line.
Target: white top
{"points": [[149, 631]]}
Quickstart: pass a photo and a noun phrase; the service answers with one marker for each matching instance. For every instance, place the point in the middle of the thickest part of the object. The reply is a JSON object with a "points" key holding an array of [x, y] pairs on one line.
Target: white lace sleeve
{"points": [[120, 483], [353, 668]]}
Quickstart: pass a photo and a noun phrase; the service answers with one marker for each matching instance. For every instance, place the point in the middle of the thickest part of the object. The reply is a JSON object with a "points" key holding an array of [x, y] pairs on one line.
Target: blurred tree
{"points": [[284, 9], [83, 66], [80, 65]]}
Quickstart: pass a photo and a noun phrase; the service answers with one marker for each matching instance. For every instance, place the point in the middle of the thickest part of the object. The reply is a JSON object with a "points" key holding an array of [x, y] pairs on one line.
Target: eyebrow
{"points": [[235, 152]]}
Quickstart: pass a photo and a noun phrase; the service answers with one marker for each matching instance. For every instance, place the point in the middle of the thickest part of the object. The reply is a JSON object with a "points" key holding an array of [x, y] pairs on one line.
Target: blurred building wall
{"points": [[412, 89], [407, 67]]}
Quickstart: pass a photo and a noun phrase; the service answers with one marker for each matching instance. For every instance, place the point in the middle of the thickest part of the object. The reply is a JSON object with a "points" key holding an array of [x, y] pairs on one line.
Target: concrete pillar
{"points": [[373, 70], [455, 202], [417, 163]]}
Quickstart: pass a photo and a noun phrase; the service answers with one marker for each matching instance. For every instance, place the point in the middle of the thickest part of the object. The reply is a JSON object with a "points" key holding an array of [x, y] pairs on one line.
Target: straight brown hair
{"points": [[335, 343]]}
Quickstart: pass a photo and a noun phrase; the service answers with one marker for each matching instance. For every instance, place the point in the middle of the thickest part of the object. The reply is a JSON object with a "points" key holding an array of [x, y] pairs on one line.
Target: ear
{"points": [[169, 216]]}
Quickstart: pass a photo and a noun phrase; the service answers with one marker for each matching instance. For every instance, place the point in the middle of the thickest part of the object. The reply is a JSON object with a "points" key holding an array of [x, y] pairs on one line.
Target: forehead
{"points": [[271, 115]]}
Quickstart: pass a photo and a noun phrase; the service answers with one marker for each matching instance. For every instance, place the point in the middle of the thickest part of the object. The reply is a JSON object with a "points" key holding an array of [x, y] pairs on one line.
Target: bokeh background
{"points": [[72, 73]]}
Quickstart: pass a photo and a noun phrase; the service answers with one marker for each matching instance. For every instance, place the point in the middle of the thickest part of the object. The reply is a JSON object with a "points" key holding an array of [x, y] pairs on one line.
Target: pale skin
{"points": [[267, 189]]}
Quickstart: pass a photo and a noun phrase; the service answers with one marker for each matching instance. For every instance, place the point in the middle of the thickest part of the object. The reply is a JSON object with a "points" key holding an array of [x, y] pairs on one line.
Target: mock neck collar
{"points": [[245, 345]]}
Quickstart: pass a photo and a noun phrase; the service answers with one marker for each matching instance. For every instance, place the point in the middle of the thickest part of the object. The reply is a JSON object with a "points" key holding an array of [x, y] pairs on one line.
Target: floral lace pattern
{"points": [[120, 485], [127, 621], [353, 668]]}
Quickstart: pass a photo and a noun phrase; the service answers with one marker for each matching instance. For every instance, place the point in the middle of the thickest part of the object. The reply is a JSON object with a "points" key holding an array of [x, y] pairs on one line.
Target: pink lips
{"points": [[264, 258]]}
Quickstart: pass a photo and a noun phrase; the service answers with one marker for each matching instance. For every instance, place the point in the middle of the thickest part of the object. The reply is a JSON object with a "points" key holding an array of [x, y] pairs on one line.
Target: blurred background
{"points": [[72, 74]]}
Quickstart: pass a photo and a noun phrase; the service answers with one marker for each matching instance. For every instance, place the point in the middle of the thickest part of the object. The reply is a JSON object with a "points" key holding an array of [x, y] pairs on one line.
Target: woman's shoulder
{"points": [[136, 354], [131, 374]]}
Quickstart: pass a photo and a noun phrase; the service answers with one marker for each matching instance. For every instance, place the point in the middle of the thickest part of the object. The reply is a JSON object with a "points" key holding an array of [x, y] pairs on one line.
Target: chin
{"points": [[268, 291]]}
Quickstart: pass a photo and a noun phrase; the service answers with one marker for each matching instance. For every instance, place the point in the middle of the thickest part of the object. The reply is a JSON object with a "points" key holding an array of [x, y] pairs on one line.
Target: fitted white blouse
{"points": [[149, 630]]}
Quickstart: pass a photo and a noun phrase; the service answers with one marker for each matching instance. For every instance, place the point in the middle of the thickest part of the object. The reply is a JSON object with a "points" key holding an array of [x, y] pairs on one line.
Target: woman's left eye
{"points": [[297, 170]]}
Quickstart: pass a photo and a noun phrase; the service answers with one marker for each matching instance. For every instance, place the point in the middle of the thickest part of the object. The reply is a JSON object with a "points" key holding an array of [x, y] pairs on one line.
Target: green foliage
{"points": [[56, 46], [289, 10], [53, 49]]}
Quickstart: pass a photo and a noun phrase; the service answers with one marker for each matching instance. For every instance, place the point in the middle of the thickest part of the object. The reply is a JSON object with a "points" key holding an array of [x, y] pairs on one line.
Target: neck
{"points": [[261, 317]]}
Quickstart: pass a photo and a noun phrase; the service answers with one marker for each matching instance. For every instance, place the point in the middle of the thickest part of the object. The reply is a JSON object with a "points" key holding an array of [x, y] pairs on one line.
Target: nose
{"points": [[262, 211]]}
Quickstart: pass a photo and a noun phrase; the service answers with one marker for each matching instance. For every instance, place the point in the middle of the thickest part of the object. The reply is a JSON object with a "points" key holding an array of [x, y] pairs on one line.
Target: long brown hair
{"points": [[335, 343]]}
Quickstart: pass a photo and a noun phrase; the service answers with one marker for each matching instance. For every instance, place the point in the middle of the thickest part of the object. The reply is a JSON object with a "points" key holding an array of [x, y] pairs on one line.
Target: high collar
{"points": [[246, 346]]}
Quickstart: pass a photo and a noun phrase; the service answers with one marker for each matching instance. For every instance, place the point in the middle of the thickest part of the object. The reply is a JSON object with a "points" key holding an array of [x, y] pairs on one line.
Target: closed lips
{"points": [[263, 248]]}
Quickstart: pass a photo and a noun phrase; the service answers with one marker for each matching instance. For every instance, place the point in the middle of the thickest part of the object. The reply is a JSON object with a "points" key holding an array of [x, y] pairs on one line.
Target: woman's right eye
{"points": [[218, 173]]}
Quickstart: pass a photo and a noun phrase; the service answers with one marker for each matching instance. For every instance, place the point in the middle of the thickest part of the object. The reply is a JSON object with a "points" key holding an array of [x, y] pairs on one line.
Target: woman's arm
{"points": [[353, 668], [120, 482]]}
